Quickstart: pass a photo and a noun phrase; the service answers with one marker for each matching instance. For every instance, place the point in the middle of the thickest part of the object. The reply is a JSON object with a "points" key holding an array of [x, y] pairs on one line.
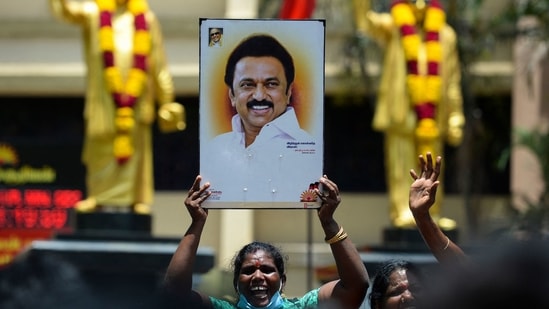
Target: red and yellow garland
{"points": [[424, 89], [125, 93]]}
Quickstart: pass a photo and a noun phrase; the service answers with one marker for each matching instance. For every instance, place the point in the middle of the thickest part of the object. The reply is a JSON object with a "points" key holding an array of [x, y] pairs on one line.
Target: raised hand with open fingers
{"points": [[424, 188]]}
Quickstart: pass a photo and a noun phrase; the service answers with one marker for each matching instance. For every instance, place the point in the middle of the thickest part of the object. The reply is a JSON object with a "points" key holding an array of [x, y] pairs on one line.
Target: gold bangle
{"points": [[340, 238], [447, 244], [337, 237]]}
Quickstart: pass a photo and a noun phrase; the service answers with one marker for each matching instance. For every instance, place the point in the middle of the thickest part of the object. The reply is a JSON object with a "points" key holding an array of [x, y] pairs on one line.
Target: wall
{"points": [[42, 55]]}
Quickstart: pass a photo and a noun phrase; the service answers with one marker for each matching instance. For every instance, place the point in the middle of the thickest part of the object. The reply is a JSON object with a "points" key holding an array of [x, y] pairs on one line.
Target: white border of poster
{"points": [[281, 168]]}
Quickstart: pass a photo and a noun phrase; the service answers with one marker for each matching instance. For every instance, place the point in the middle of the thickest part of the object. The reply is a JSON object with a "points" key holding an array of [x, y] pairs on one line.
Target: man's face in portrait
{"points": [[215, 35], [260, 91]]}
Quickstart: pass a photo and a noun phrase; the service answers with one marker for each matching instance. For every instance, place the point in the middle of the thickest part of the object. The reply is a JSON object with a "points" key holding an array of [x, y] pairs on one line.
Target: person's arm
{"points": [[71, 11], [422, 196], [349, 290], [171, 114], [453, 99], [377, 26], [178, 278], [360, 9], [162, 77]]}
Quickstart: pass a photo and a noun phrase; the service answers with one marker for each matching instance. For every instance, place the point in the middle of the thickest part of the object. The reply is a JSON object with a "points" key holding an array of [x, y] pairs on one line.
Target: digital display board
{"points": [[40, 182]]}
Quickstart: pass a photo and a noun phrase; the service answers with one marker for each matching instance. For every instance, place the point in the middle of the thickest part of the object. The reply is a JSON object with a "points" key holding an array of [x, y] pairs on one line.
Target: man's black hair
{"points": [[260, 45]]}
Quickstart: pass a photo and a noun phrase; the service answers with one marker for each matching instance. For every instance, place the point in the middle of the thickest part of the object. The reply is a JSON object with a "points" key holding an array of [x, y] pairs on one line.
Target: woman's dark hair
{"points": [[381, 279], [260, 45], [253, 247]]}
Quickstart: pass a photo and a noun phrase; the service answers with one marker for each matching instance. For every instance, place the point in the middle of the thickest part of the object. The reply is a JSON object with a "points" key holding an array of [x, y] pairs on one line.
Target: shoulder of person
{"points": [[448, 33], [309, 300], [221, 304]]}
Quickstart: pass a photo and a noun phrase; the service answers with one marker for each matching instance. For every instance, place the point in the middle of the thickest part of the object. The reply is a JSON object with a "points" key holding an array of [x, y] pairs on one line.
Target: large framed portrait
{"points": [[261, 112]]}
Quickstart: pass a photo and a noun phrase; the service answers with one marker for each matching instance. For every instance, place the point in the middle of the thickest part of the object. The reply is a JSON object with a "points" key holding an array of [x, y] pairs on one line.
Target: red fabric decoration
{"points": [[297, 9]]}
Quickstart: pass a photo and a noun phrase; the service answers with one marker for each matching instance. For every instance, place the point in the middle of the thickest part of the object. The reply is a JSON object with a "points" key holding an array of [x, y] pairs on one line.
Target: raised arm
{"points": [[349, 290], [178, 279], [361, 9], [422, 196], [171, 115], [377, 26], [452, 93], [71, 11]]}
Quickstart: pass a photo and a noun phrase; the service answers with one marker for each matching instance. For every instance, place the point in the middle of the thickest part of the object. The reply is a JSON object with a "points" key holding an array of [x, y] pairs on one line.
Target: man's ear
{"points": [[231, 97], [289, 94]]}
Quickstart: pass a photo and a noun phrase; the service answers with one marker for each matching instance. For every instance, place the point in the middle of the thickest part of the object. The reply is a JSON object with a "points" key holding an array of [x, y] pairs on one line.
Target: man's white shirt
{"points": [[281, 164]]}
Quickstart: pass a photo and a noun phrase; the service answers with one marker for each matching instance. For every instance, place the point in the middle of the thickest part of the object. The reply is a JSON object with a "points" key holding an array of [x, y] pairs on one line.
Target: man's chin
{"points": [[259, 122]]}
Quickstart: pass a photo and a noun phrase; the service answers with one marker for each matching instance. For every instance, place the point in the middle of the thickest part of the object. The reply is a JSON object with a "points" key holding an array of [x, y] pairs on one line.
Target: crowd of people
{"points": [[512, 273]]}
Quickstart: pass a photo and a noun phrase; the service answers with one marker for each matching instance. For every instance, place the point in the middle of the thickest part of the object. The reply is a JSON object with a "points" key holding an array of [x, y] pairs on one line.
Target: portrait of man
{"points": [[266, 156], [216, 37]]}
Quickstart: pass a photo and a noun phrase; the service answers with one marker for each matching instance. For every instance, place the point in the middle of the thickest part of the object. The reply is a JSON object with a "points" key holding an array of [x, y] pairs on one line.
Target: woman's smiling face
{"points": [[259, 278]]}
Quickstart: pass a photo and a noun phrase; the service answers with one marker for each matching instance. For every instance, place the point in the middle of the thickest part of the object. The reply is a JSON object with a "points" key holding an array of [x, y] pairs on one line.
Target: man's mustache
{"points": [[254, 102]]}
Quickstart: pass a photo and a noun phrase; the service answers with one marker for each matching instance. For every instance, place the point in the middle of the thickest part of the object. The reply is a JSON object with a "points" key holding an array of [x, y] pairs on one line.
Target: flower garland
{"points": [[124, 94], [424, 89]]}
